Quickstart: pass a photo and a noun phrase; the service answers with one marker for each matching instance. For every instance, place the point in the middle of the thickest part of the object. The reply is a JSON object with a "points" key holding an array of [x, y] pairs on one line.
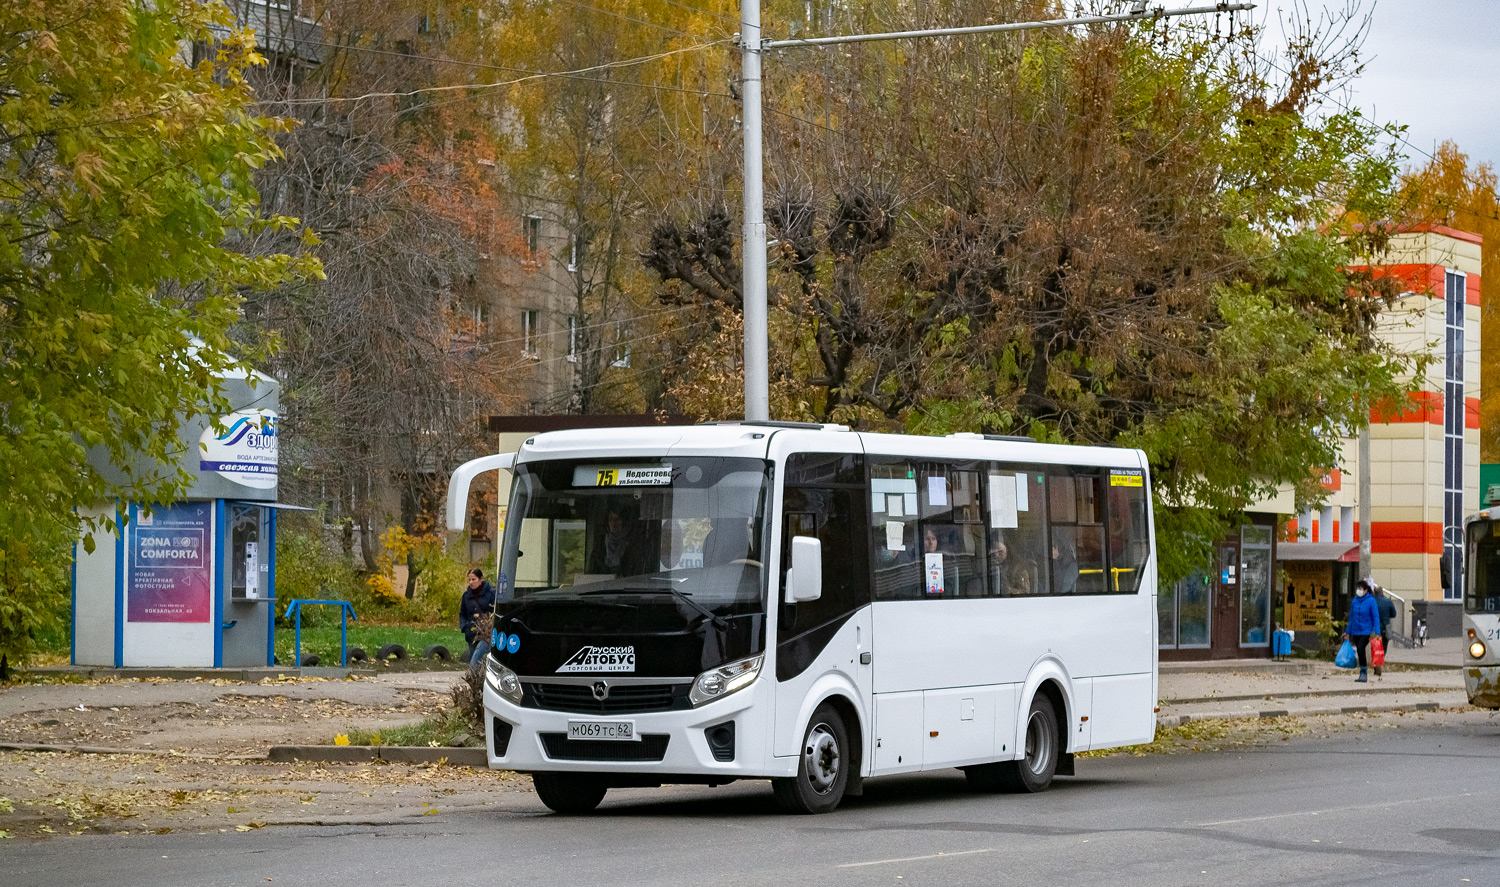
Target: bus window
{"points": [[1017, 531], [953, 531], [1077, 524], [1129, 533], [893, 529]]}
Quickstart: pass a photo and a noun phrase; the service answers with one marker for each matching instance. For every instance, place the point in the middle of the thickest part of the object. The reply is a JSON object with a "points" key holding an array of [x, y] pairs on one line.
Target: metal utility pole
{"points": [[753, 250], [753, 270]]}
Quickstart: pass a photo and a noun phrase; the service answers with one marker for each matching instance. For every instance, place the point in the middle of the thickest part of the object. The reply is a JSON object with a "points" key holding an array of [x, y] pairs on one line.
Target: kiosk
{"points": [[191, 583]]}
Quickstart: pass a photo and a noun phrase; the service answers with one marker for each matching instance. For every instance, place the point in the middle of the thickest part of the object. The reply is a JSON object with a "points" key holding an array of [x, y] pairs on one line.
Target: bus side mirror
{"points": [[804, 579]]}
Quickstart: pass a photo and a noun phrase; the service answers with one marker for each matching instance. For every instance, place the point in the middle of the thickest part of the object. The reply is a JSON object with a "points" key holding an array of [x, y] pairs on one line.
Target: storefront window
{"points": [[1182, 613], [1255, 586]]}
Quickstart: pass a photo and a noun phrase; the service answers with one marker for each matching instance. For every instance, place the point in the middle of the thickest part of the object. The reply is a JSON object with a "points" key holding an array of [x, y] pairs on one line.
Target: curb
{"points": [[392, 754], [248, 675], [1310, 694], [1178, 720]]}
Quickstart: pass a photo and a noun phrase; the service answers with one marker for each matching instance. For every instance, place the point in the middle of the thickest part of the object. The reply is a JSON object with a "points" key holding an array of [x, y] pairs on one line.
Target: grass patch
{"points": [[324, 640], [439, 732]]}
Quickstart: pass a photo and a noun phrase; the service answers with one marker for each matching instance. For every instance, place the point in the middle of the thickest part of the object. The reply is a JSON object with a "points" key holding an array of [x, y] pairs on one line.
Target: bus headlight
{"points": [[1476, 649], [502, 680], [719, 682]]}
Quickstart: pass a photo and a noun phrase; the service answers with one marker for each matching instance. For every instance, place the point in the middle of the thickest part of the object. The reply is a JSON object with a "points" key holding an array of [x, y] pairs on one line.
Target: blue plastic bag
{"points": [[1346, 657]]}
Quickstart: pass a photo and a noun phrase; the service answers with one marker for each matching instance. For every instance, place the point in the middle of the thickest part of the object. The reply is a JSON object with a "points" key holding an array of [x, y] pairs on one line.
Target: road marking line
{"points": [[1335, 810], [852, 865]]}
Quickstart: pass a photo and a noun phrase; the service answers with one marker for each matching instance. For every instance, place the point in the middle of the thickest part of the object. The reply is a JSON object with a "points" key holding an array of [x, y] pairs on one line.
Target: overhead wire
{"points": [[421, 90]]}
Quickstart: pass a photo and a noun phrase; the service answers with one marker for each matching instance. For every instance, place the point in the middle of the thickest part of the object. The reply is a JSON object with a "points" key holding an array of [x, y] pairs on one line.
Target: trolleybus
{"points": [[1481, 626], [814, 606]]}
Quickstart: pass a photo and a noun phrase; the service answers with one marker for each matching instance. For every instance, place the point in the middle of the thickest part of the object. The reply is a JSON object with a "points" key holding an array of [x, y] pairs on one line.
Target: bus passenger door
{"points": [[823, 646]]}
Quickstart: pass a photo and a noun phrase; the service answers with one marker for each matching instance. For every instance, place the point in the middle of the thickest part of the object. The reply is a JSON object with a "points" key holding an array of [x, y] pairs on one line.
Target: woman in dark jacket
{"points": [[1364, 620], [479, 597]]}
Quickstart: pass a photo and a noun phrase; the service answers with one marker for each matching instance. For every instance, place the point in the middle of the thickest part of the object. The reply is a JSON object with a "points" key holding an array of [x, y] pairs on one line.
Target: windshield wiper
{"points": [[719, 621]]}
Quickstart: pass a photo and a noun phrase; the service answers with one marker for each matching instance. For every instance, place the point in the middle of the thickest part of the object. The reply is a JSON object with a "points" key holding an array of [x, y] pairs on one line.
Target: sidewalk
{"points": [[1258, 688]]}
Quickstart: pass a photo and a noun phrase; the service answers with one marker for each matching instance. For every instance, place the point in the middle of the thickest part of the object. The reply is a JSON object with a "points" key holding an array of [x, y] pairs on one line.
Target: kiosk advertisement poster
{"points": [[242, 447], [169, 578]]}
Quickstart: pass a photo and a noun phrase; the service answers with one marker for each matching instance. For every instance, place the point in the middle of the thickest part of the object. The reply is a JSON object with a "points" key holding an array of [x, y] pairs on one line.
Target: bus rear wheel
{"points": [[1038, 764], [569, 793], [822, 768]]}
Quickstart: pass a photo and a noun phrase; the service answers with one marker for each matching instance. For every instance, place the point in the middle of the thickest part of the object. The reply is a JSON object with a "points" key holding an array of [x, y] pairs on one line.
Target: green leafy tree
{"points": [[125, 175]]}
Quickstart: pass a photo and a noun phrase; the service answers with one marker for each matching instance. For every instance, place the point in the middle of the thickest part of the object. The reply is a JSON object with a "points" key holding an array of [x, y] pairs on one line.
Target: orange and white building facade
{"points": [[1424, 459]]}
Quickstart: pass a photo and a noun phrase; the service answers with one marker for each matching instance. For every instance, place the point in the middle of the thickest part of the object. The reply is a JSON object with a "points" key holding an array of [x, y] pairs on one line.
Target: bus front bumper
{"points": [[1483, 685], [669, 743]]}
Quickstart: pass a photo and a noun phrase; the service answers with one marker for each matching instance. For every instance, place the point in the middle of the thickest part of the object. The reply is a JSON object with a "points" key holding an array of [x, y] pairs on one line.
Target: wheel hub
{"points": [[821, 758]]}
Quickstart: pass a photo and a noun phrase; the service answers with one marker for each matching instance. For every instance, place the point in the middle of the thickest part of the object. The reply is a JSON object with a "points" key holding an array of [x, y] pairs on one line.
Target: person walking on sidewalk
{"points": [[1387, 609], [1364, 620]]}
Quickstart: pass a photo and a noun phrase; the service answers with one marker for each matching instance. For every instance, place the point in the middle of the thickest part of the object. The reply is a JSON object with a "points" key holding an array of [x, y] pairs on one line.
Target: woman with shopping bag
{"points": [[1364, 620]]}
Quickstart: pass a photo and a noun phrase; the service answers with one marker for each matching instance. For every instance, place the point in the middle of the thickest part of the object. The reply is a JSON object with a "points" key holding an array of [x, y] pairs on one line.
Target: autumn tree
{"points": [[1127, 234], [126, 171], [388, 363], [596, 150]]}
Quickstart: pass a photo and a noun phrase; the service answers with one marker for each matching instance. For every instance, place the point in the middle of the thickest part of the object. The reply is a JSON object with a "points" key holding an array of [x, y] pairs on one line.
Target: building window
{"points": [[576, 250], [532, 225], [530, 336], [480, 313], [573, 338], [1182, 613], [621, 356], [1455, 290], [424, 24]]}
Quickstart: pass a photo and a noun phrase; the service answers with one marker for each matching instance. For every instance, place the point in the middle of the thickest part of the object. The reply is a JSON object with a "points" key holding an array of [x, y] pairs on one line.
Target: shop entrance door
{"points": [[1226, 621]]}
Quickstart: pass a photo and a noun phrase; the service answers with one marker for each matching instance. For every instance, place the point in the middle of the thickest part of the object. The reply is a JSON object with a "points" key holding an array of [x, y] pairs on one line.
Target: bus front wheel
{"points": [[822, 768], [569, 793], [1038, 764]]}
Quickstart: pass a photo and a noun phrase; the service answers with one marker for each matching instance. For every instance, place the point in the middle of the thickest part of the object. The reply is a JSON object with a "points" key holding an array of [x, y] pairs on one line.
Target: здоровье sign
{"points": [[244, 451]]}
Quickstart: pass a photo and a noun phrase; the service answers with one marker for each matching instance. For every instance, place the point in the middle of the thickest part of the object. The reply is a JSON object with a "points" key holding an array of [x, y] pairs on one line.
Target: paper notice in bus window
{"points": [[1126, 479], [1003, 502], [877, 502], [1023, 498], [934, 578], [893, 534], [893, 506], [937, 491], [911, 503]]}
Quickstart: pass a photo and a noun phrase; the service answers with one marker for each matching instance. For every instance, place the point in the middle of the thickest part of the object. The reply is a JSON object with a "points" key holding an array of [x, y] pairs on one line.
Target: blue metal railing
{"points": [[294, 610]]}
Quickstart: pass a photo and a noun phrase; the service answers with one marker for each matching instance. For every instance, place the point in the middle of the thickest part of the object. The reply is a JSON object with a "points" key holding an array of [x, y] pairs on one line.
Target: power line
{"points": [[623, 63], [370, 50]]}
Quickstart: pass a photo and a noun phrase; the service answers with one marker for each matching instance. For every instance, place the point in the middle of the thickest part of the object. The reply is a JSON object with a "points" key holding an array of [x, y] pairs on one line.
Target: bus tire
{"points": [[569, 793], [1040, 752], [822, 768]]}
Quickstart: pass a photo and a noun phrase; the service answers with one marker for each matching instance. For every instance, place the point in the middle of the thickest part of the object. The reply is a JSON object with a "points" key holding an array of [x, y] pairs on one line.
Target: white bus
{"points": [[814, 606], [1481, 657]]}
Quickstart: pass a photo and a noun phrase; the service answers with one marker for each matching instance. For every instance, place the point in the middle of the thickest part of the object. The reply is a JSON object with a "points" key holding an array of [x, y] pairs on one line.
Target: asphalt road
{"points": [[1413, 804]]}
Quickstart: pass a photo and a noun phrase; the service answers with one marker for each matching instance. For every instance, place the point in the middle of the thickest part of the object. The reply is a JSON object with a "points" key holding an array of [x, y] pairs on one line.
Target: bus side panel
{"points": [[958, 725], [898, 732], [934, 644], [839, 660], [1123, 711]]}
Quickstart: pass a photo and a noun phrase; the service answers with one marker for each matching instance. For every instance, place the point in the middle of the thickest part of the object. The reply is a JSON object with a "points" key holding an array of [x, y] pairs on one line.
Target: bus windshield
{"points": [[689, 528], [1482, 590]]}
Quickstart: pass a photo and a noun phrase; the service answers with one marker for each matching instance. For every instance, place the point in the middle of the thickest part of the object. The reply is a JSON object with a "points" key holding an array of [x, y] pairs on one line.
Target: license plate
{"points": [[610, 731]]}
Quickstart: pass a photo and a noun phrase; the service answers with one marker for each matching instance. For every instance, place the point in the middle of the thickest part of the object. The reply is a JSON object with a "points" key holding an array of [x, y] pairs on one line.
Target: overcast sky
{"points": [[1433, 65]]}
